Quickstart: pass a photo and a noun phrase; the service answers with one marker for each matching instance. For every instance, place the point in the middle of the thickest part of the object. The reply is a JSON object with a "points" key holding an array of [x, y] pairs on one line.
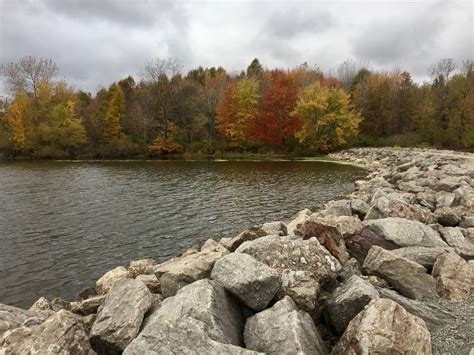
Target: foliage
{"points": [[238, 107], [274, 124], [209, 111], [328, 119]]}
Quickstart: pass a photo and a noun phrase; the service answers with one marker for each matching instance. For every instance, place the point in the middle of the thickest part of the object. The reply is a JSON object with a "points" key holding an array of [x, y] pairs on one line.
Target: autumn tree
{"points": [[237, 108], [328, 119], [274, 124], [28, 73]]}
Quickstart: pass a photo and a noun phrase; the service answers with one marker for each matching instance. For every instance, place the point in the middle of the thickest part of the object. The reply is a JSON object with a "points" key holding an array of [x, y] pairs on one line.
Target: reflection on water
{"points": [[63, 224]]}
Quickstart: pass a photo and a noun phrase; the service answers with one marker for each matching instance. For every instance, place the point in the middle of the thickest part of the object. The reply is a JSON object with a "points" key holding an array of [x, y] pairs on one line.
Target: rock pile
{"points": [[386, 269]]}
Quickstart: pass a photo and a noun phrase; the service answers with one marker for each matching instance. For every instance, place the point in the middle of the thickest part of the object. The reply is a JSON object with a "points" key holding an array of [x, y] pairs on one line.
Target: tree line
{"points": [[209, 111]]}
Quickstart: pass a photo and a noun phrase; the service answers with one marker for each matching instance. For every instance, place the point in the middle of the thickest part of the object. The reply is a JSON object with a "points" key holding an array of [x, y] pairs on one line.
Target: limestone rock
{"points": [[406, 276], [150, 281], [13, 317], [384, 327], [274, 228], [251, 233], [425, 256], [404, 232], [299, 218], [107, 280], [141, 267], [359, 207], [433, 315], [200, 318], [62, 333], [283, 329], [338, 208], [454, 276], [252, 282], [87, 306], [385, 207], [304, 261], [344, 224], [182, 271], [119, 319], [456, 239], [447, 216], [348, 300]]}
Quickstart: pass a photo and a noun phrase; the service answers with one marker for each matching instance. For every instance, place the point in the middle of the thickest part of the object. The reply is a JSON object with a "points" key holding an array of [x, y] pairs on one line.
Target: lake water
{"points": [[63, 224]]}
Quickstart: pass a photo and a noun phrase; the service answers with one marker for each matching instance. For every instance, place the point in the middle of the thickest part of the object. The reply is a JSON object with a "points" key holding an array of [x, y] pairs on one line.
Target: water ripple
{"points": [[63, 224]]}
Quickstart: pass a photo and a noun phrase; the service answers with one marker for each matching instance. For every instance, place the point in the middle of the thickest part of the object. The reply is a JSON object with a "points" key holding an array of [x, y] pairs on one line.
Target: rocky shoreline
{"points": [[388, 268]]}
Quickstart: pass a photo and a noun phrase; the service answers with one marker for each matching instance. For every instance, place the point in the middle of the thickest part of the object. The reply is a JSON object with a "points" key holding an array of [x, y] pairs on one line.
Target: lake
{"points": [[64, 224]]}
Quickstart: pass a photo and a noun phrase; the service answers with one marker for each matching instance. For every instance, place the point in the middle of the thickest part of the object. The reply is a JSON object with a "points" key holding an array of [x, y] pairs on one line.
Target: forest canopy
{"points": [[209, 111]]}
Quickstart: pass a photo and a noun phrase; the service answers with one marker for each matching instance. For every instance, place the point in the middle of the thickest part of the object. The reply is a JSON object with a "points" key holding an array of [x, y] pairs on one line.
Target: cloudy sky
{"points": [[96, 42]]}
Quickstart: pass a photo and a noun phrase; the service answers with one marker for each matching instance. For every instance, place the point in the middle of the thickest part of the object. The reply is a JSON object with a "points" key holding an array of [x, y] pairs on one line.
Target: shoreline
{"points": [[345, 263]]}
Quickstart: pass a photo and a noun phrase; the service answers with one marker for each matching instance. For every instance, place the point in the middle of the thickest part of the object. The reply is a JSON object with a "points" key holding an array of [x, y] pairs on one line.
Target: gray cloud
{"points": [[97, 42]]}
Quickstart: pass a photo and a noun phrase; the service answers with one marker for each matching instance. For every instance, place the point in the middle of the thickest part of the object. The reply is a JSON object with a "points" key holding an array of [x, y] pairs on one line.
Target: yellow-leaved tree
{"points": [[237, 108], [328, 118]]}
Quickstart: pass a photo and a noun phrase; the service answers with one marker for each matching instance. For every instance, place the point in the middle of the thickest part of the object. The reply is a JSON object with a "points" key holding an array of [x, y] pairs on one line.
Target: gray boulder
{"points": [[141, 267], [119, 319], [384, 327], [299, 218], [200, 318], [433, 315], [105, 283], [425, 256], [454, 277], [62, 333], [406, 276], [251, 233], [13, 317], [274, 228], [87, 306], [191, 267], [338, 208], [404, 232], [300, 263], [252, 282], [385, 207], [456, 239], [447, 216], [283, 329], [150, 281], [348, 300]]}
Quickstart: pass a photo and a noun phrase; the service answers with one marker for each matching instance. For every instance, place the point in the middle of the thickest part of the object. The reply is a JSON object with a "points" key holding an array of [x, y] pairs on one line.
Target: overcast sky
{"points": [[96, 42]]}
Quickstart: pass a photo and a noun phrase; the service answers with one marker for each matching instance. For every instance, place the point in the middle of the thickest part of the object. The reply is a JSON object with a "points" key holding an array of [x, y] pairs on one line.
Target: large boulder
{"points": [[454, 276], [119, 319], [87, 306], [150, 281], [384, 327], [433, 315], [251, 233], [404, 232], [184, 270], [252, 282], [105, 283], [299, 218], [425, 256], [359, 244], [338, 208], [274, 228], [302, 265], [141, 267], [348, 300], [62, 333], [385, 207], [283, 329], [455, 238], [329, 237], [406, 276], [344, 224], [13, 317], [201, 318]]}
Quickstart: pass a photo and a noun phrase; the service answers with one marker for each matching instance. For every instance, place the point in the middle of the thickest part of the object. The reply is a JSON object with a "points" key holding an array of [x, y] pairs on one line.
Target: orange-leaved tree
{"points": [[274, 124]]}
